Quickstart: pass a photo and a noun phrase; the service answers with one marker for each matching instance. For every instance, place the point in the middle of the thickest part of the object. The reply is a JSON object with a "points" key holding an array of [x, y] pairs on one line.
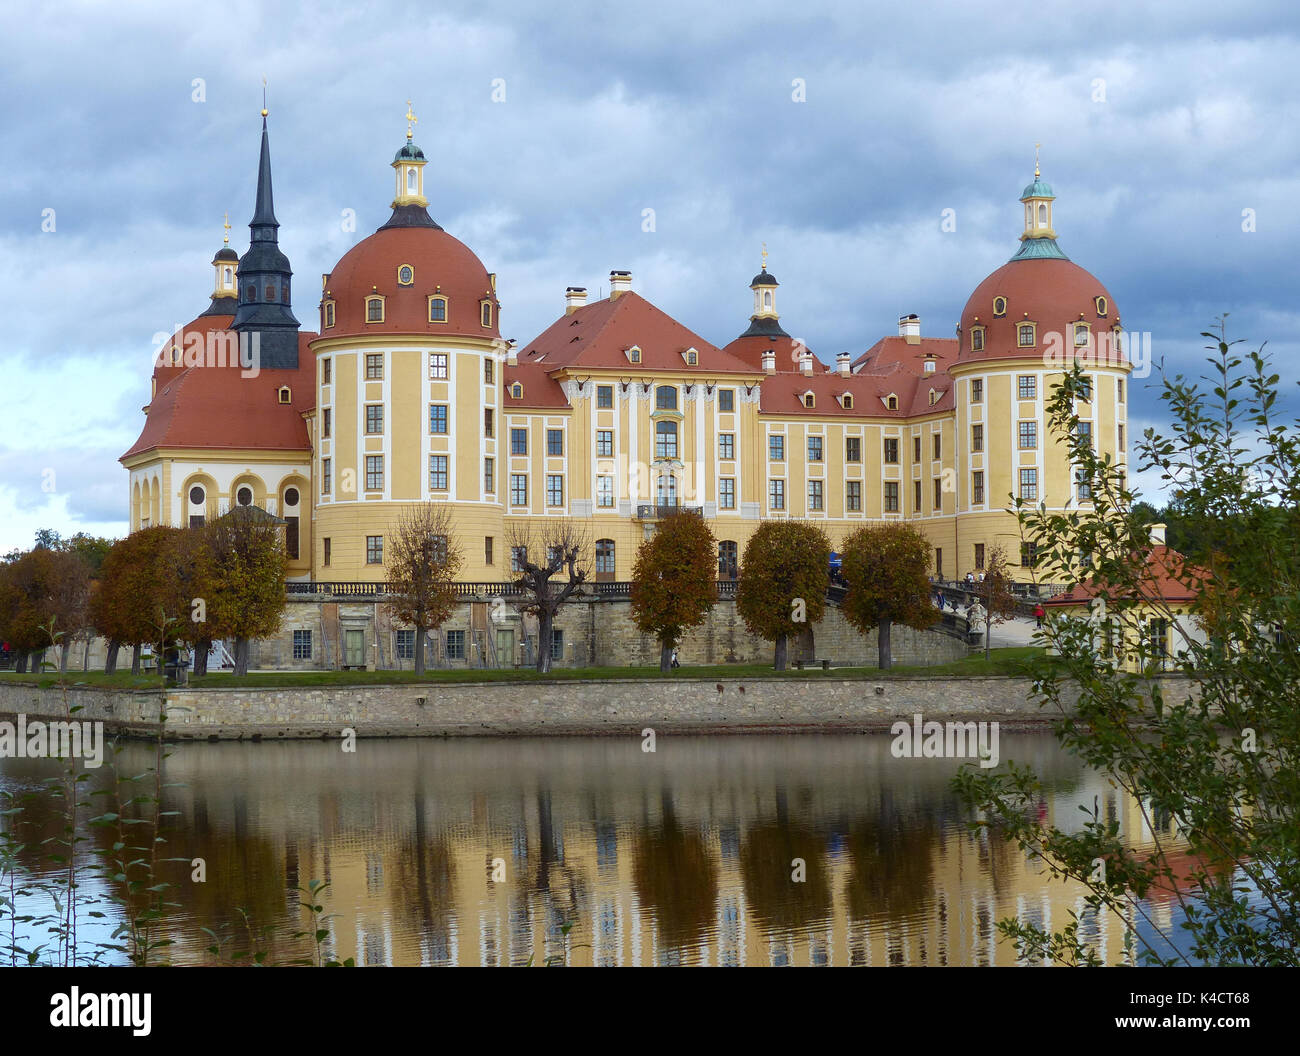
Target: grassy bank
{"points": [[1011, 661]]}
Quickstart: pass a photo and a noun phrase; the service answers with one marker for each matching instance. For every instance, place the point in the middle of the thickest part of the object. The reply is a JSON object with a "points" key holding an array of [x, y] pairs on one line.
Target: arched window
{"points": [[767, 299], [1081, 334], [411, 179], [374, 309], [229, 275], [665, 440], [728, 559], [270, 293], [605, 557], [329, 313], [437, 309], [485, 313], [892, 403], [1042, 214], [285, 395], [666, 398], [976, 339], [516, 391]]}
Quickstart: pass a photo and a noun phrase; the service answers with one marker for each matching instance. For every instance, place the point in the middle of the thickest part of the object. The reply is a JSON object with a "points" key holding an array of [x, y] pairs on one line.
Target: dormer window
{"points": [[692, 357], [374, 309], [516, 391], [809, 400], [485, 313], [999, 306], [634, 354], [329, 314], [285, 395], [1101, 305], [976, 342], [891, 403], [405, 275], [1081, 335], [934, 397], [1025, 335], [846, 401], [437, 309]]}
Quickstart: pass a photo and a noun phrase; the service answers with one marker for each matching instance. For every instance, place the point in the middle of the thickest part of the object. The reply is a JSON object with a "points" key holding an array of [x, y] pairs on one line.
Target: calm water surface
{"points": [[683, 856]]}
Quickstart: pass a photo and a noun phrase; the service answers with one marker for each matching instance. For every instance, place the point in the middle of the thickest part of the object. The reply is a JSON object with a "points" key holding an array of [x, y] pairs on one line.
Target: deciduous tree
{"points": [[784, 573], [555, 550], [424, 561], [995, 594], [249, 565], [886, 569], [673, 585]]}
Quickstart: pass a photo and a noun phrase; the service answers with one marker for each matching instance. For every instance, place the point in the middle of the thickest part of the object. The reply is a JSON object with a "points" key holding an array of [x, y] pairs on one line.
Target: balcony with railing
{"points": [[470, 591], [659, 512]]}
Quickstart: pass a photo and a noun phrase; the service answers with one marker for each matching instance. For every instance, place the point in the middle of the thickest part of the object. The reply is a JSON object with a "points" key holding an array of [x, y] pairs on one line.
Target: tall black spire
{"points": [[264, 279]]}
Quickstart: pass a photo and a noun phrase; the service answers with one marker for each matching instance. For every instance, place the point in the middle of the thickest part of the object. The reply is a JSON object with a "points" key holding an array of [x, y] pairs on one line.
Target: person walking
{"points": [[675, 661], [1039, 613]]}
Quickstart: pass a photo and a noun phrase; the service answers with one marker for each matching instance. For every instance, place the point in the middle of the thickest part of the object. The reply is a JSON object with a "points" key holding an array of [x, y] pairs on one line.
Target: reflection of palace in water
{"points": [[680, 857]]}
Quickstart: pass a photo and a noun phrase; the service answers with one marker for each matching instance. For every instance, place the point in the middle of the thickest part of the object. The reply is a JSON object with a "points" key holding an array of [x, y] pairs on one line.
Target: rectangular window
{"points": [[916, 496], [814, 449], [325, 476], [665, 398], [374, 472], [891, 451], [327, 371], [727, 445], [302, 645], [604, 443], [727, 493], [1029, 484], [519, 441], [326, 556], [438, 418], [891, 496], [977, 438], [977, 390], [489, 423], [1028, 555], [487, 549], [916, 449], [438, 366], [1027, 386], [815, 494], [1028, 436], [554, 489], [374, 549], [489, 475], [1085, 390], [489, 371], [290, 537], [727, 400], [938, 445], [605, 396], [1119, 390], [518, 489], [938, 494], [1081, 482], [374, 366], [555, 442], [979, 557], [938, 563], [405, 645], [605, 492], [853, 496], [1085, 432], [666, 440], [374, 418], [977, 487], [776, 494], [325, 423], [853, 449], [776, 448], [557, 644], [455, 645], [437, 472], [1121, 439], [518, 555]]}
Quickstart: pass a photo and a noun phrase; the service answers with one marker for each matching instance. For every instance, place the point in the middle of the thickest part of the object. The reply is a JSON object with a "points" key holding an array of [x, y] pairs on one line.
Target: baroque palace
{"points": [[614, 413]]}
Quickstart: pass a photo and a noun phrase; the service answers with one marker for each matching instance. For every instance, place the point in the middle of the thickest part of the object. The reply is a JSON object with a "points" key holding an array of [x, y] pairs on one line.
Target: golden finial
{"points": [[411, 119], [226, 225], [265, 111], [1037, 174], [765, 256]]}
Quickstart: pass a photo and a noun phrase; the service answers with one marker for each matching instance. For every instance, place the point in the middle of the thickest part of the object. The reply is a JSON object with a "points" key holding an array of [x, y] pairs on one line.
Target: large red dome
{"points": [[1052, 292], [440, 265]]}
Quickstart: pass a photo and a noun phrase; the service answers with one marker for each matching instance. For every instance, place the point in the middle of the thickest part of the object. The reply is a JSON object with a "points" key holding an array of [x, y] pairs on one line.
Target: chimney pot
{"points": [[909, 328], [1158, 534], [620, 282], [843, 364], [574, 298], [769, 361], [806, 363]]}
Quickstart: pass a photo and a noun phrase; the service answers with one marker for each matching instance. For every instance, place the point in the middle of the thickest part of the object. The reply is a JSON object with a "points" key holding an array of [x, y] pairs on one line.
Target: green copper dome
{"points": [[1040, 188], [1039, 249], [409, 152]]}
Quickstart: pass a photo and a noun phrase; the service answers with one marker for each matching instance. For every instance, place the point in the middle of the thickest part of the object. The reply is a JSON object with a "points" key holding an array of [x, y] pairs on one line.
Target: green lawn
{"points": [[1003, 662]]}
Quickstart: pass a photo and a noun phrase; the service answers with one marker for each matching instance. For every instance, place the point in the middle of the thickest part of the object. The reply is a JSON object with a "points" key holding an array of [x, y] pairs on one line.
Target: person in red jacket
{"points": [[1039, 613]]}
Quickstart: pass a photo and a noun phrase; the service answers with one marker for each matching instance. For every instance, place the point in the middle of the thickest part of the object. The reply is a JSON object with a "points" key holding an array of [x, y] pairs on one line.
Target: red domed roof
{"points": [[441, 264], [1052, 292]]}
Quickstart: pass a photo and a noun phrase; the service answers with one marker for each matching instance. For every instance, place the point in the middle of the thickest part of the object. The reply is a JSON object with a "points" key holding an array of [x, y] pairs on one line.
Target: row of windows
{"points": [[1000, 302], [375, 309]]}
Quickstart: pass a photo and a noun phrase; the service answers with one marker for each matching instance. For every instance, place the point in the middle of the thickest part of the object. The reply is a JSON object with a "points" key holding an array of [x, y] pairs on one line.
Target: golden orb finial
{"points": [[765, 256], [1037, 174], [265, 111], [226, 225], [411, 120]]}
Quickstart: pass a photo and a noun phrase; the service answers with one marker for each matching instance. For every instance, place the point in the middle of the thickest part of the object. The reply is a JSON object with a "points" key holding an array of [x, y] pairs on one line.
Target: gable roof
{"points": [[1165, 577]]}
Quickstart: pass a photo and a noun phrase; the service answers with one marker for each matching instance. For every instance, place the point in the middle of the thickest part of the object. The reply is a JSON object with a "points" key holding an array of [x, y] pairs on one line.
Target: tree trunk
{"points": [[110, 657], [886, 657], [201, 649], [665, 658], [20, 662], [135, 658], [85, 656], [778, 658], [988, 629], [545, 620], [63, 657], [420, 634], [241, 656]]}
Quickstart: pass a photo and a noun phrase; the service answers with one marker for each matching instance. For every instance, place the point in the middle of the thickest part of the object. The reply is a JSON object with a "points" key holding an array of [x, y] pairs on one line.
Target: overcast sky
{"points": [[137, 124]]}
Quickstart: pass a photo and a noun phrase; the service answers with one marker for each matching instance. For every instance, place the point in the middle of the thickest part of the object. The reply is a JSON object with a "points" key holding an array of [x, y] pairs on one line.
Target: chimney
{"points": [[805, 363], [1158, 535], [843, 364], [909, 328], [574, 298], [512, 354], [769, 361], [620, 282]]}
